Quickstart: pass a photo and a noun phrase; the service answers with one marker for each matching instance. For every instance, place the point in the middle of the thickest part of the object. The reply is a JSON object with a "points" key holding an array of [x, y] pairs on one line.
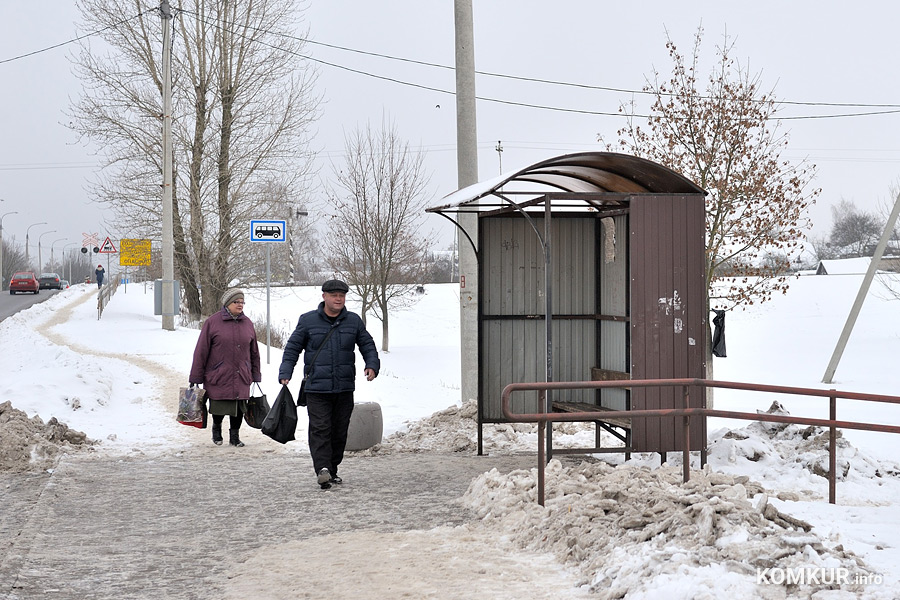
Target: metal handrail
{"points": [[103, 296], [832, 423]]}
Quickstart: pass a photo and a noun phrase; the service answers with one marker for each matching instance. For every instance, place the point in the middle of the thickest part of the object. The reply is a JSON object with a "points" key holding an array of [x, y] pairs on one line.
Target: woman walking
{"points": [[226, 362]]}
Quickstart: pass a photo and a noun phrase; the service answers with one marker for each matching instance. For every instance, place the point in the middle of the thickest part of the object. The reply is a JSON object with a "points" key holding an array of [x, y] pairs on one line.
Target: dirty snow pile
{"points": [[32, 445], [776, 452], [637, 531], [635, 528], [455, 429]]}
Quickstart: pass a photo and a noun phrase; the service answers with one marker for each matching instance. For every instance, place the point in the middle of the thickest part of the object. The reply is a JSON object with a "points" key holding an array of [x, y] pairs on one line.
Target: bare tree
{"points": [[243, 107], [726, 139], [13, 260], [853, 231], [376, 221], [821, 248]]}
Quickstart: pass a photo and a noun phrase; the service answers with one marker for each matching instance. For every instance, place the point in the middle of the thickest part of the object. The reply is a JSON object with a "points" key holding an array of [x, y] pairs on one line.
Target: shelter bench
{"points": [[618, 427]]}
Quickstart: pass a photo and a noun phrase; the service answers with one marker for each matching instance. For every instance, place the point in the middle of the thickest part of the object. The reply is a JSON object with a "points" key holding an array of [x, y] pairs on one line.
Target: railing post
{"points": [[832, 450], [686, 457]]}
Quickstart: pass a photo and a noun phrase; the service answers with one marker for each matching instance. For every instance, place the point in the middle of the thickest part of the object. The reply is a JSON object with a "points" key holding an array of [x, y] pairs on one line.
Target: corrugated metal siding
{"points": [[668, 306], [513, 331], [613, 291]]}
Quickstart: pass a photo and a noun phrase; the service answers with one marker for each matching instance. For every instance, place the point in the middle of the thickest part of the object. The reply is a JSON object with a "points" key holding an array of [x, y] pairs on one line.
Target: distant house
{"points": [[844, 266], [890, 263], [856, 266]]}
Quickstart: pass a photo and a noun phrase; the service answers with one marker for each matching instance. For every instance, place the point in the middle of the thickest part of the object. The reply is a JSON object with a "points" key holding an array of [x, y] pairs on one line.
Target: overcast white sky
{"points": [[808, 51]]}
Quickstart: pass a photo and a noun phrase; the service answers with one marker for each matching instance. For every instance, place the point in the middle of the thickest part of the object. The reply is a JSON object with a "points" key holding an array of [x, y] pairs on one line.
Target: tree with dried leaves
{"points": [[243, 106], [376, 219], [726, 139]]}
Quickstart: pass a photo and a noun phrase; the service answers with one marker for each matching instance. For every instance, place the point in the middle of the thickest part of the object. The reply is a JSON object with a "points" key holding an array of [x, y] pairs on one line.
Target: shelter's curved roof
{"points": [[585, 172]]}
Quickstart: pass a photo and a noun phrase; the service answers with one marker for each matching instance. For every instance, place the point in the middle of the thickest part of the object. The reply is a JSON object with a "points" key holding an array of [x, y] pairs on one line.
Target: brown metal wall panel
{"points": [[668, 311]]}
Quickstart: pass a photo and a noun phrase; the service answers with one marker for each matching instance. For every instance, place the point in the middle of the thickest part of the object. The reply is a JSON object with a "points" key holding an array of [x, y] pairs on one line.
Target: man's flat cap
{"points": [[335, 285]]}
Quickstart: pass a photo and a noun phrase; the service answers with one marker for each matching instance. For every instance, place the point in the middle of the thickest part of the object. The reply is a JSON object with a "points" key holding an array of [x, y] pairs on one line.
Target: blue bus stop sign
{"points": [[268, 231]]}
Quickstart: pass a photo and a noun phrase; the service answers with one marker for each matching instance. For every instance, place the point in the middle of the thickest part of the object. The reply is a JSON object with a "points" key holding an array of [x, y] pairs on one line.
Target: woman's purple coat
{"points": [[226, 359]]}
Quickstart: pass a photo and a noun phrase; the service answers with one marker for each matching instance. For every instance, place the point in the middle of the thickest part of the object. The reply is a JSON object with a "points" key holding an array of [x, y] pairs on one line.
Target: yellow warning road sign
{"points": [[134, 253]]}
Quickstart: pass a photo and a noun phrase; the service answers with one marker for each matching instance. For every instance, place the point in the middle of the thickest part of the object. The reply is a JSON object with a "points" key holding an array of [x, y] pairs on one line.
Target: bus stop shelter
{"points": [[591, 267]]}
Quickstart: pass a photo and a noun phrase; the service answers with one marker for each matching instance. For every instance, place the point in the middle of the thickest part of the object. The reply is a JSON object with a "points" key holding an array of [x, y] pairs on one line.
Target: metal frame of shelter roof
{"points": [[585, 174]]}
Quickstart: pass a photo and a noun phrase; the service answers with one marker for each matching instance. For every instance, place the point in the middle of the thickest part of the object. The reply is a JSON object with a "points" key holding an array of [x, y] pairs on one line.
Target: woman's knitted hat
{"points": [[231, 295]]}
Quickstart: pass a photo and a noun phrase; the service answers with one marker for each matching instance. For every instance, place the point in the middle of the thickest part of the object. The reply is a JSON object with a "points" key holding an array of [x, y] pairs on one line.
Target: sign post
{"points": [[133, 253], [108, 248], [267, 231]]}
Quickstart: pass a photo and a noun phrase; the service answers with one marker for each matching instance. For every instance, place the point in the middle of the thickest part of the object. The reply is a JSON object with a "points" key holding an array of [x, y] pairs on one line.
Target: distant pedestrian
{"points": [[327, 337], [226, 362], [98, 273]]}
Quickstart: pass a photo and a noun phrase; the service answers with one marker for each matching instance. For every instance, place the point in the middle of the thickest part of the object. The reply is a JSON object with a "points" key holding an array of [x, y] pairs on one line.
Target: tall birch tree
{"points": [[243, 106]]}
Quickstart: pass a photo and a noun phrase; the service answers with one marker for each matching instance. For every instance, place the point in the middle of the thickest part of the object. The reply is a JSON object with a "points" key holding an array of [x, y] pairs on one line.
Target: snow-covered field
{"points": [[749, 525]]}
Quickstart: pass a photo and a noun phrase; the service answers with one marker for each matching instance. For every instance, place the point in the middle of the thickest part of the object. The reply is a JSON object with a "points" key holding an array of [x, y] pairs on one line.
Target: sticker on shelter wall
{"points": [[692, 341], [679, 325], [671, 305], [609, 239]]}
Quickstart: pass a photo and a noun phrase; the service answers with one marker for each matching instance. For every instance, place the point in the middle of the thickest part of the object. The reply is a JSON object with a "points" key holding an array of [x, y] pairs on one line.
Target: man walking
{"points": [[327, 337], [98, 273]]}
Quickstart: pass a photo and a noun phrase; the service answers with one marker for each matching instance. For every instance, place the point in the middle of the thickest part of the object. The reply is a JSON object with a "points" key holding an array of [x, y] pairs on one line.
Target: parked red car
{"points": [[24, 281]]}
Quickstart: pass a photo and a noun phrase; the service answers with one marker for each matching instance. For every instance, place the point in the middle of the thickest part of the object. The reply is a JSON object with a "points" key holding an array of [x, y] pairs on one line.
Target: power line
{"points": [[76, 39], [569, 83], [895, 108]]}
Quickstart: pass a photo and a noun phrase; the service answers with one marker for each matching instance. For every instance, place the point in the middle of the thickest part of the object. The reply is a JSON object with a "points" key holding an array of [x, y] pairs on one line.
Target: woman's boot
{"points": [[234, 439], [217, 434]]}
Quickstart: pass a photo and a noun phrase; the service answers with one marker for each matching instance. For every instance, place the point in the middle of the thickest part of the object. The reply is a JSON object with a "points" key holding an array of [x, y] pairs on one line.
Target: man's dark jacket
{"points": [[335, 368]]}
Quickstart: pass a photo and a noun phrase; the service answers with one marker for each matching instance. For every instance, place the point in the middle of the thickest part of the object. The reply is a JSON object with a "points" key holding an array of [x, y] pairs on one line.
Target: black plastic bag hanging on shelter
{"points": [[281, 422], [718, 341]]}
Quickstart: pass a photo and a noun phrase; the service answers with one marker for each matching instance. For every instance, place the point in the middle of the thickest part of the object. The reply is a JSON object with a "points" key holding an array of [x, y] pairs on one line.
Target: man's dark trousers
{"points": [[329, 420]]}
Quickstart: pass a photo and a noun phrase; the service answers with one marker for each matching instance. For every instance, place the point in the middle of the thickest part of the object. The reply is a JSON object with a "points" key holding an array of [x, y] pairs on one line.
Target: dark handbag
{"points": [[192, 407], [256, 408], [281, 422], [301, 397]]}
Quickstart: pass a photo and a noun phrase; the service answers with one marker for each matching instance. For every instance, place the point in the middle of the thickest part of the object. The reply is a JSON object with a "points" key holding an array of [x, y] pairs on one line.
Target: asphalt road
{"points": [[11, 304]]}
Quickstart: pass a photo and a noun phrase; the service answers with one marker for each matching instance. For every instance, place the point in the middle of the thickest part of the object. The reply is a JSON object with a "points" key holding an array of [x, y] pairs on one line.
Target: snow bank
{"points": [[633, 529]]}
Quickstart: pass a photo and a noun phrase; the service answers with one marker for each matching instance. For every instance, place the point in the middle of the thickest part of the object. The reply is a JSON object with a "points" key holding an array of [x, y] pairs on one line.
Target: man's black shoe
{"points": [[336, 479], [324, 478]]}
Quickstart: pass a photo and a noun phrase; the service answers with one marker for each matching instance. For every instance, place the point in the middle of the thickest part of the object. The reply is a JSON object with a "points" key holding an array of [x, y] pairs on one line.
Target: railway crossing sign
{"points": [[107, 247], [90, 240]]}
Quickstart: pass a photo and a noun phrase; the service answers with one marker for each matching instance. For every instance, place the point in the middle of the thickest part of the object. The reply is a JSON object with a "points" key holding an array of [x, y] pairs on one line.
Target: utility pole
{"points": [[40, 258], [168, 241], [467, 174], [295, 214], [27, 243], [499, 150]]}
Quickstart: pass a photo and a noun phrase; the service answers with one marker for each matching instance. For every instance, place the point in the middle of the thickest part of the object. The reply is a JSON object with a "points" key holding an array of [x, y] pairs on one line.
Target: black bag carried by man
{"points": [[256, 408], [281, 422], [301, 396]]}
